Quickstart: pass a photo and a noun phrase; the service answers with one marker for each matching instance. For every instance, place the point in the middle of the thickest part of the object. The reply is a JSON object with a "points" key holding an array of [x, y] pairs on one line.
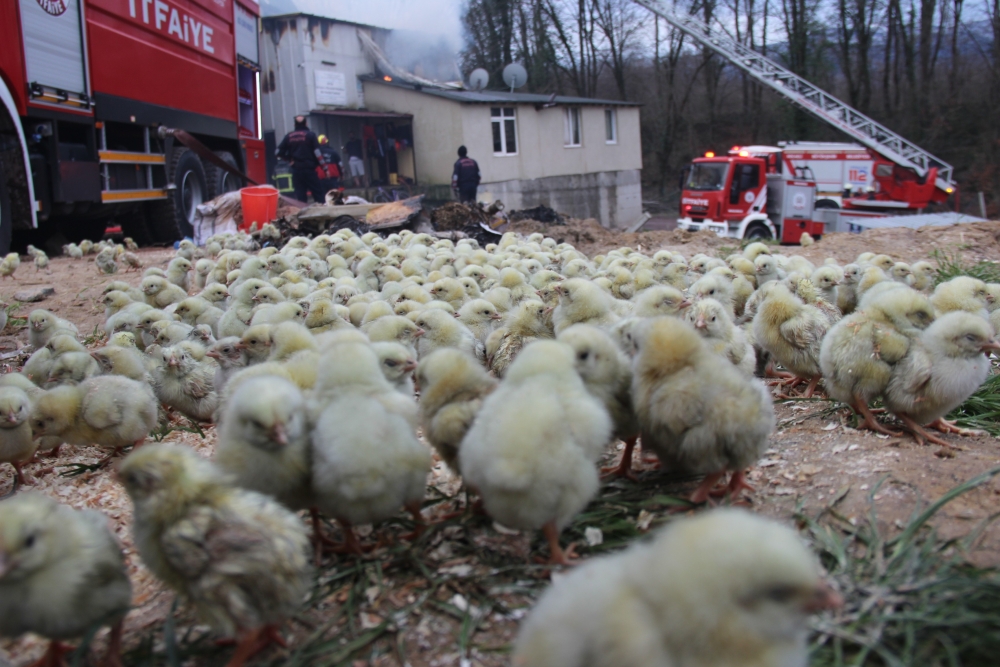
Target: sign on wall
{"points": [[331, 88]]}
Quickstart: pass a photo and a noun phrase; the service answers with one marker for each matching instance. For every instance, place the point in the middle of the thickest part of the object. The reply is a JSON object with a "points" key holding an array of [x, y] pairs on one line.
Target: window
{"points": [[610, 126], [504, 130], [746, 177], [707, 176], [573, 126]]}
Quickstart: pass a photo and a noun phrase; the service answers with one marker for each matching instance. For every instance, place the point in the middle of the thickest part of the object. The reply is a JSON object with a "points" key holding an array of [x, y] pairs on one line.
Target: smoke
{"points": [[438, 20]]}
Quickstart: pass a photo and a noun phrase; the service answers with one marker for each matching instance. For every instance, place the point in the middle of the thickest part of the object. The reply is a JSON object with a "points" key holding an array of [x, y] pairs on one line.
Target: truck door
{"points": [[743, 188], [53, 49]]}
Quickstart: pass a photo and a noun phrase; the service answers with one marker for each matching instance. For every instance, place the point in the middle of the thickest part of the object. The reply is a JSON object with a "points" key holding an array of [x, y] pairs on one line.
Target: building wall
{"points": [[612, 197], [292, 49]]}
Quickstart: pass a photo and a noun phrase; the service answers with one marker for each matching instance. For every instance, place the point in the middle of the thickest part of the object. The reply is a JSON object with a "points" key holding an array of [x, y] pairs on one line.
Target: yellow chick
{"points": [[72, 368], [61, 574], [452, 389], [962, 293], [923, 273], [9, 265], [528, 322], [713, 323], [238, 557], [857, 354], [109, 411], [178, 272], [531, 451], [791, 332], [288, 338], [187, 383], [943, 367], [686, 598], [582, 302], [607, 373], [105, 261], [43, 325], [264, 441], [16, 444], [398, 363], [41, 262], [124, 361], [367, 462], [697, 412], [442, 330], [160, 292], [714, 287], [660, 300], [481, 317]]}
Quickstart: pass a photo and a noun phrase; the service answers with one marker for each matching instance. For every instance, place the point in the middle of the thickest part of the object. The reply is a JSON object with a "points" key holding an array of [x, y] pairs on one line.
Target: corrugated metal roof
{"points": [[502, 97]]}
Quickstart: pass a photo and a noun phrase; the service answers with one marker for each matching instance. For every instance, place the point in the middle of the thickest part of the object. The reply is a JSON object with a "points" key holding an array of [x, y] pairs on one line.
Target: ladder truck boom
{"points": [[811, 98]]}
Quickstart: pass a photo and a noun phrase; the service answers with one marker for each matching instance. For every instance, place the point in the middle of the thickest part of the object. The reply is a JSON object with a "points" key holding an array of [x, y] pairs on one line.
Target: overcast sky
{"points": [[440, 17]]}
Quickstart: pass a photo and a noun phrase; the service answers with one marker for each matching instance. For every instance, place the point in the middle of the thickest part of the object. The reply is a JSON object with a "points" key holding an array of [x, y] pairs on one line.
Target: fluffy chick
{"points": [[582, 302], [697, 412], [686, 598], [238, 557], [264, 440], [943, 367], [858, 353], [398, 363], [962, 293], [452, 389], [713, 323], [187, 383], [16, 444], [61, 574], [660, 300], [531, 451], [527, 323], [43, 325], [109, 411], [481, 317], [791, 332], [441, 330]]}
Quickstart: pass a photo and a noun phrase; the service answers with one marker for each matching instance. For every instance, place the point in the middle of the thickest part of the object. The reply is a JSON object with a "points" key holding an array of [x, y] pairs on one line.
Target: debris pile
{"points": [[540, 213]]}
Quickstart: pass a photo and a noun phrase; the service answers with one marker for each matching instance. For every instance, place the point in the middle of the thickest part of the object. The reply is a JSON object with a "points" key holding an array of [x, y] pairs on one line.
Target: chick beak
{"points": [[214, 354], [993, 344], [240, 345], [496, 316], [173, 363], [700, 323], [255, 298], [990, 298], [12, 417], [418, 333], [456, 315], [549, 309], [686, 303], [559, 290], [824, 597], [409, 366], [279, 435]]}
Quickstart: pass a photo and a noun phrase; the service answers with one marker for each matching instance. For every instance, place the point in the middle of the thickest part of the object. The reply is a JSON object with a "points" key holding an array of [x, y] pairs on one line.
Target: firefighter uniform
{"points": [[301, 148]]}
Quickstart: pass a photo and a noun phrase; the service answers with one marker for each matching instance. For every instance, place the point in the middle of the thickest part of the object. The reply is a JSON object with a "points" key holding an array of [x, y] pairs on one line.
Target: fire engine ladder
{"points": [[848, 120]]}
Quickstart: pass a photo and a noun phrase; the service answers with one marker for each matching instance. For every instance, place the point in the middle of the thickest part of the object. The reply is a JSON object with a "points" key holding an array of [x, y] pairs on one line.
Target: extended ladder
{"points": [[848, 120]]}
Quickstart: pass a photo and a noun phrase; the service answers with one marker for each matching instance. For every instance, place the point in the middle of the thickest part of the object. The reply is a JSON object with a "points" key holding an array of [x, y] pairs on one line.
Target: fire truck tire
{"points": [[173, 218], [6, 221], [219, 180], [757, 231], [826, 203]]}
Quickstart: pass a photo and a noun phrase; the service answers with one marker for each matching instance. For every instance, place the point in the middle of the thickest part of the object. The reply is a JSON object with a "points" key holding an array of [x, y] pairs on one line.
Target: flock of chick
{"points": [[530, 359]]}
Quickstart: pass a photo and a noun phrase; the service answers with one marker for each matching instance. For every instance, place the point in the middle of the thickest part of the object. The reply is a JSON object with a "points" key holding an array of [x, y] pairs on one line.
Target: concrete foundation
{"points": [[612, 197]]}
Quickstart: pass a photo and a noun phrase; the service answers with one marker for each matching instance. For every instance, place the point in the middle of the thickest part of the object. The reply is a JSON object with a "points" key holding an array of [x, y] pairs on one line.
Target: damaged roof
{"points": [[500, 96]]}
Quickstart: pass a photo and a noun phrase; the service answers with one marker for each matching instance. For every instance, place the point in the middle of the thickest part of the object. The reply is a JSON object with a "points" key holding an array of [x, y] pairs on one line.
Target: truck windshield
{"points": [[707, 176]]}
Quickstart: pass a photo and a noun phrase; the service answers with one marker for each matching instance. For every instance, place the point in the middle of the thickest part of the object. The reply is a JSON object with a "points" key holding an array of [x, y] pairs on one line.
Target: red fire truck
{"points": [[84, 87], [774, 191]]}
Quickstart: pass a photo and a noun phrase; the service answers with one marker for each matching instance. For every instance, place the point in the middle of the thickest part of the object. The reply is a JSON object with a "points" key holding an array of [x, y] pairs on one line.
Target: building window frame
{"points": [[611, 126], [503, 125], [573, 122]]}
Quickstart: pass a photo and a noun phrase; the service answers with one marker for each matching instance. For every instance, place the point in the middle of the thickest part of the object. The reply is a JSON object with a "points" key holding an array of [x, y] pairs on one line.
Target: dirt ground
{"points": [[456, 597]]}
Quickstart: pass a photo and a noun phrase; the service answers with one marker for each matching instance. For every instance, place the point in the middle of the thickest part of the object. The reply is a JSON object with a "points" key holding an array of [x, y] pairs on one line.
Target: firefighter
{"points": [[330, 178], [300, 147], [465, 177]]}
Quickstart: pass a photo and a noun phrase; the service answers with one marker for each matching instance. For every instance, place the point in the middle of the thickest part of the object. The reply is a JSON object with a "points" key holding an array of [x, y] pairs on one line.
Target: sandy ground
{"points": [[456, 597]]}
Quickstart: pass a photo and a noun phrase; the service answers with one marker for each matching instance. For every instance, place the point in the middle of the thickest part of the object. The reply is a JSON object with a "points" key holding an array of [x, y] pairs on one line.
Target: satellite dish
{"points": [[515, 76], [479, 79]]}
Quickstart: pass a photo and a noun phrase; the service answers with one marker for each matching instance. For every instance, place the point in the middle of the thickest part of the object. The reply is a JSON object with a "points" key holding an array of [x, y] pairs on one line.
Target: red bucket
{"points": [[260, 205]]}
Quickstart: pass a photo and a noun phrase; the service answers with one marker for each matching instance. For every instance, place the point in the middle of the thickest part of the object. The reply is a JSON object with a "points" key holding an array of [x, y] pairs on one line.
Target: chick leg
{"points": [[945, 426], [114, 655], [418, 518], [869, 421], [22, 479], [704, 490], [920, 434], [771, 373], [737, 483], [557, 555], [624, 467], [253, 643], [811, 389], [55, 655]]}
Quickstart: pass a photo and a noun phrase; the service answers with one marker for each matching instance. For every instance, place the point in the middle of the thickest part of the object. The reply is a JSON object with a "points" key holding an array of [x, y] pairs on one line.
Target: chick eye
{"points": [[583, 356], [390, 363], [971, 338], [713, 318], [29, 541], [780, 594]]}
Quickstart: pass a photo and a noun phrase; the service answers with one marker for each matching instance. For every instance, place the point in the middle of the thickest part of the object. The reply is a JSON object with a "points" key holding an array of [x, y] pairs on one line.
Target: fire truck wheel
{"points": [[219, 180], [173, 218], [826, 203], [6, 221], [757, 231]]}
